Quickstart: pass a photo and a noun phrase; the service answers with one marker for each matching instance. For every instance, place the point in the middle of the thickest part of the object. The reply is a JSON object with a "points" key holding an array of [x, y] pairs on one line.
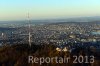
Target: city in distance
{"points": [[61, 37], [49, 32]]}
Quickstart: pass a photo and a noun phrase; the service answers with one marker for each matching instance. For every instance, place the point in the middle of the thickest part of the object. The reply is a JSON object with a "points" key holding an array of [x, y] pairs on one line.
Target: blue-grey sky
{"points": [[42, 9]]}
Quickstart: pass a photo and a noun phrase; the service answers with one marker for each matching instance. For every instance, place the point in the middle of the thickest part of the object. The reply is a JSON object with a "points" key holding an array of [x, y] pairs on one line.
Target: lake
{"points": [[96, 32]]}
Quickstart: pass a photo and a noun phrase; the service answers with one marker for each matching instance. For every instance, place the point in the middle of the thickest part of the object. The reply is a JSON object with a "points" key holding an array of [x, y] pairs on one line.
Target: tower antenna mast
{"points": [[29, 26]]}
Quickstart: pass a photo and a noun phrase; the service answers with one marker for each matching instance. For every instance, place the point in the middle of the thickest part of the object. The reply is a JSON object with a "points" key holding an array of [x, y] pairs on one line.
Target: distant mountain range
{"points": [[46, 21]]}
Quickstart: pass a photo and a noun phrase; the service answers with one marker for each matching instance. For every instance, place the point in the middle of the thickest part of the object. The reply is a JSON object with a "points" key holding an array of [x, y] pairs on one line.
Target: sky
{"points": [[45, 9]]}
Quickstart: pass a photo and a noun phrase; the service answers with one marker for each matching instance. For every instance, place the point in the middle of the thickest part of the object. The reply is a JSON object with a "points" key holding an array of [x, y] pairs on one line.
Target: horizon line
{"points": [[56, 18]]}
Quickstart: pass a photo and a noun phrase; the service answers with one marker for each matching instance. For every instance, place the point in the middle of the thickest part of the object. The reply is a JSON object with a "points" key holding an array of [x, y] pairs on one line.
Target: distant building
{"points": [[65, 49], [58, 49]]}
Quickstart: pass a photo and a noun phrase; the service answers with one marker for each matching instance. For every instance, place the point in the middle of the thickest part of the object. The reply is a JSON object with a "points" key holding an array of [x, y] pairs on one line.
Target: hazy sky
{"points": [[41, 9]]}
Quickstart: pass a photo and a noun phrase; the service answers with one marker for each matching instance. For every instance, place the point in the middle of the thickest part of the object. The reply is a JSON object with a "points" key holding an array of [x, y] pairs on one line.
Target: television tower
{"points": [[29, 26]]}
